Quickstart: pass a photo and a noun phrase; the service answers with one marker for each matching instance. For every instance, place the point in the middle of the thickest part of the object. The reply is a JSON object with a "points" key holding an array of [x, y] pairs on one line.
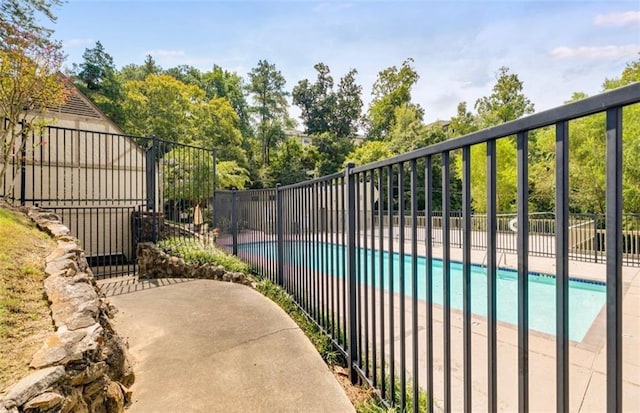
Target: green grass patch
{"points": [[24, 311], [194, 251]]}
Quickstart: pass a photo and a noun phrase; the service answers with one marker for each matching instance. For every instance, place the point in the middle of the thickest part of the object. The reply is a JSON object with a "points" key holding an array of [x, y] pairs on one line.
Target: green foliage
{"points": [[290, 163], [332, 151], [26, 16], [29, 82], [96, 78], [325, 109], [391, 90], [266, 85], [369, 152], [506, 103], [194, 251]]}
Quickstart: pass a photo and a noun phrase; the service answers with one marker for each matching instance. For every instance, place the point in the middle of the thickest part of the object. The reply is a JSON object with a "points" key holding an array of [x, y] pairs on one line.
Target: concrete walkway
{"points": [[208, 346]]}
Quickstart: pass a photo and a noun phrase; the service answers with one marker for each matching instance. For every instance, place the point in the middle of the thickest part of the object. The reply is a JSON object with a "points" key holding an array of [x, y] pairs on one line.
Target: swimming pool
{"points": [[586, 298]]}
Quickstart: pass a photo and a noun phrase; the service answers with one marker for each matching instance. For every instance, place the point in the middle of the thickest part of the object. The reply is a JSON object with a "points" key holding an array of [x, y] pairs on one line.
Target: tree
{"points": [[325, 109], [290, 164], [463, 123], [332, 151], [506, 103], [96, 78], [266, 84], [29, 80], [25, 16], [164, 107], [587, 157], [224, 84], [369, 152], [391, 90]]}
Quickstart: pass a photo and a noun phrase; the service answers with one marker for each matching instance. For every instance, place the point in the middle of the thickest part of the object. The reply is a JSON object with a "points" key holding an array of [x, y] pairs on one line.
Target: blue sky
{"points": [[555, 47]]}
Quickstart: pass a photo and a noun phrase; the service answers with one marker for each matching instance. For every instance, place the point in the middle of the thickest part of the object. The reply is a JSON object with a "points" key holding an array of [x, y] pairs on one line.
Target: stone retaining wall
{"points": [[83, 366], [155, 263]]}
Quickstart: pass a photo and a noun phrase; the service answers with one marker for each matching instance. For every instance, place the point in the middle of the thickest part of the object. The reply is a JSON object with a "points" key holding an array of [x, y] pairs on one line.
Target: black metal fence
{"points": [[113, 190], [353, 260]]}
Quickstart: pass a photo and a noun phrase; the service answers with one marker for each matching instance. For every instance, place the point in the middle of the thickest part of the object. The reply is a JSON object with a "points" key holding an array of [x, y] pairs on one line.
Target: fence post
{"points": [[151, 158], [234, 219], [213, 190], [279, 235], [351, 271], [23, 163], [596, 237]]}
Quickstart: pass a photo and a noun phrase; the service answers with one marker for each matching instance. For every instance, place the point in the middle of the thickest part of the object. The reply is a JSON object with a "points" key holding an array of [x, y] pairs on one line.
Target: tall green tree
{"points": [[325, 109], [506, 102], [391, 90], [266, 86], [96, 78]]}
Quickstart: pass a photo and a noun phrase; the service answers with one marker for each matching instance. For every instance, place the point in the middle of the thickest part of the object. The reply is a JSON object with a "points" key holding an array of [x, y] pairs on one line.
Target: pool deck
{"points": [[587, 359]]}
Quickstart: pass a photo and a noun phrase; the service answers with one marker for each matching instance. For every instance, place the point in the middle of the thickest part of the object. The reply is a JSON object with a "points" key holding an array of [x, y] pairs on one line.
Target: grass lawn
{"points": [[24, 311]]}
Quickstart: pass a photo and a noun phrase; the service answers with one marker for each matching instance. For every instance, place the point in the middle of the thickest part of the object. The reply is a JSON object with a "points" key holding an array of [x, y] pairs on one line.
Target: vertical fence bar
{"points": [[428, 212], [401, 293], [374, 347], [214, 155], [392, 366], [381, 193], [492, 382], [23, 163], [279, 236], [414, 284], [234, 220], [523, 270], [446, 280], [614, 260], [466, 273], [351, 271], [562, 266]]}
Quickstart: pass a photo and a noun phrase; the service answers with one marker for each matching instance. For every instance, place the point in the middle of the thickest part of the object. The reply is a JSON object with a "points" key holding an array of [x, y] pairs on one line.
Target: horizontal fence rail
{"points": [[378, 258]]}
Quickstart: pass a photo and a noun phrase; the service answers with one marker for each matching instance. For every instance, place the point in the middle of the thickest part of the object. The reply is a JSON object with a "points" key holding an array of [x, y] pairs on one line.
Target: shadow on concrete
{"points": [[128, 284]]}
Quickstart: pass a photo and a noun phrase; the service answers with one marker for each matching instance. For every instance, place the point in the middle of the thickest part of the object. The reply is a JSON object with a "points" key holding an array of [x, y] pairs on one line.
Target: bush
{"points": [[194, 251]]}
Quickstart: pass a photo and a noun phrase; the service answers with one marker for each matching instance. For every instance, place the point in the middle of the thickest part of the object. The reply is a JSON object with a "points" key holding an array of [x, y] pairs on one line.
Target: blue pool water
{"points": [[585, 298]]}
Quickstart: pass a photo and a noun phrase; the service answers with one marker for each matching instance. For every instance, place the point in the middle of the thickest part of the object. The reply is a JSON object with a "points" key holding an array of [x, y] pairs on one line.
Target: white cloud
{"points": [[601, 52], [627, 18], [78, 42]]}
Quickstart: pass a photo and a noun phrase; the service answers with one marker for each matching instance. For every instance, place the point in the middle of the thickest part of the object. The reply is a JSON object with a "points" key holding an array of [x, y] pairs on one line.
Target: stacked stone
{"points": [[155, 263], [83, 366]]}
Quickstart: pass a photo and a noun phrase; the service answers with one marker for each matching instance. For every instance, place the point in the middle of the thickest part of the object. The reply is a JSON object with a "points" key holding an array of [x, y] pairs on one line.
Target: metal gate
{"points": [[113, 190]]}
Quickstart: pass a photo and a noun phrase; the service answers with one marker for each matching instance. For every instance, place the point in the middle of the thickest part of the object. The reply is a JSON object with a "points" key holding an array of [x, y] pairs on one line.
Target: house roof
{"points": [[80, 106]]}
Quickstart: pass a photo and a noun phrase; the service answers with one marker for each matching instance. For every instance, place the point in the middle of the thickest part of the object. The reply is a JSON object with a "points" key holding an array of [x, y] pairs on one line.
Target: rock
{"points": [[96, 387], [57, 230], [74, 305], [64, 346], [62, 267], [91, 373], [76, 313], [74, 403], [65, 249], [97, 405], [115, 398], [32, 385], [45, 401]]}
